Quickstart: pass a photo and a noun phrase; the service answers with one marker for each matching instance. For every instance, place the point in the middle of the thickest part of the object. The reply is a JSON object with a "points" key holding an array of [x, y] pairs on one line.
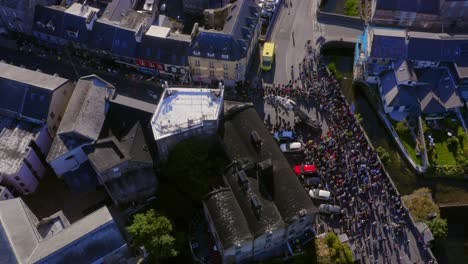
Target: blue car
{"points": [[284, 136]]}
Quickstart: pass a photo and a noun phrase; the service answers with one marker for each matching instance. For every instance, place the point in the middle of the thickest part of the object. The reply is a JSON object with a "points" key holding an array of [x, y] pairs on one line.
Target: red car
{"points": [[305, 169]]}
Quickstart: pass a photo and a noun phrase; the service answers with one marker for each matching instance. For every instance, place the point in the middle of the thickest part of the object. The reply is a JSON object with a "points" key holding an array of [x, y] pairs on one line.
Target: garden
{"points": [[447, 147], [331, 250], [409, 142]]}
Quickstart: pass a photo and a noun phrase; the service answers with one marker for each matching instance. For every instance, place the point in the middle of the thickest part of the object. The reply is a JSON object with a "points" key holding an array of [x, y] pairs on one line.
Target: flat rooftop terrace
{"points": [[181, 109], [15, 136]]}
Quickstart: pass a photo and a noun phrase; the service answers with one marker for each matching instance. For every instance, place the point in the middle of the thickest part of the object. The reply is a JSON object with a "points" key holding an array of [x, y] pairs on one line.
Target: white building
{"points": [[183, 113]]}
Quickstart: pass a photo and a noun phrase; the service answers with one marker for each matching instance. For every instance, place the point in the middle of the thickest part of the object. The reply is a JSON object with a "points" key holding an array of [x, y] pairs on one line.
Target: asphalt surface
{"points": [[65, 68]]}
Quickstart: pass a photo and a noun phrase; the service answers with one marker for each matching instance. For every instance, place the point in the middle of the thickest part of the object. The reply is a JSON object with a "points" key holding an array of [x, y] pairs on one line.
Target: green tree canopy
{"points": [[154, 233], [438, 227]]}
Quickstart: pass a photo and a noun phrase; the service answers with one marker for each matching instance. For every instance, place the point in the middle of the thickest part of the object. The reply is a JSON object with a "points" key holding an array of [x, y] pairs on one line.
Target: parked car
{"points": [[305, 169], [266, 14], [319, 194], [284, 136], [312, 181], [329, 209], [291, 147]]}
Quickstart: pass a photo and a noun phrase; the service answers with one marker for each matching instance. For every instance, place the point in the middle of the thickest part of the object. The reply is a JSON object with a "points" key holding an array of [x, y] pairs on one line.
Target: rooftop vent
{"points": [[256, 205], [242, 180], [257, 141]]}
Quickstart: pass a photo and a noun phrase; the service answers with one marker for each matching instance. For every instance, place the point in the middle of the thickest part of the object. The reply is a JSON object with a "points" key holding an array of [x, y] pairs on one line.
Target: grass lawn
{"points": [[408, 143], [444, 155]]}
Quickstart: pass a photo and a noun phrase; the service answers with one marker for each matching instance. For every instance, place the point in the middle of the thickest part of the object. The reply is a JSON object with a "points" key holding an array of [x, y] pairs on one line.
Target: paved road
{"points": [[65, 69], [294, 27]]}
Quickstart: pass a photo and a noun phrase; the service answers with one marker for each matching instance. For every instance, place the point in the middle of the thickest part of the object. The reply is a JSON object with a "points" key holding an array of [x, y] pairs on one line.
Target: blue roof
{"points": [[236, 37], [89, 248], [47, 15], [164, 50], [388, 47], [219, 44]]}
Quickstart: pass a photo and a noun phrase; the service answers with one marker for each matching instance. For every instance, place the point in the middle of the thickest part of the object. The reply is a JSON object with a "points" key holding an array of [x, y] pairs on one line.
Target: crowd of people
{"points": [[372, 214]]}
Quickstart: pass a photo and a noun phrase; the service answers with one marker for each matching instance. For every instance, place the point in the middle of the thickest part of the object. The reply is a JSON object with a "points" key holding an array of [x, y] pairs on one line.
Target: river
{"points": [[455, 248]]}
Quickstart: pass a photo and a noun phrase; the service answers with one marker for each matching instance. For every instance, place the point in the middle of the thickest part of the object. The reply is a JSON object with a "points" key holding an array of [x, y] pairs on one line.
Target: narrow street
{"points": [[64, 68]]}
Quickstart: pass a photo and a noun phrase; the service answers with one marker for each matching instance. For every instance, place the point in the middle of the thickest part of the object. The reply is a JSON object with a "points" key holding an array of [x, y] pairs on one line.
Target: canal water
{"points": [[455, 248]]}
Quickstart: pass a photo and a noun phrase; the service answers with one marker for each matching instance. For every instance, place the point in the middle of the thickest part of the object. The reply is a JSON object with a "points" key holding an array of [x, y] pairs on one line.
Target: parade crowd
{"points": [[372, 214]]}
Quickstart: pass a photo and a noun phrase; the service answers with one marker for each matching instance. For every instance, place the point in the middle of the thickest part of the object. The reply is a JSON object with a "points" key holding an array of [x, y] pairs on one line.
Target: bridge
{"points": [[338, 29]]}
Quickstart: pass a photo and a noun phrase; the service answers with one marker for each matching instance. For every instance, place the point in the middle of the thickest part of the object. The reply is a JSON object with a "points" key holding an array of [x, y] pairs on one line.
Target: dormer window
{"points": [[40, 24], [72, 33], [196, 52], [50, 25], [210, 54], [196, 49], [225, 56]]}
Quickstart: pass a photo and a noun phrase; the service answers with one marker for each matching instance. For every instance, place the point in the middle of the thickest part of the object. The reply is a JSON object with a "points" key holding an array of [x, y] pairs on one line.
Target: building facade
{"points": [[18, 16], [223, 51], [27, 239], [403, 13], [263, 207], [183, 113], [409, 78]]}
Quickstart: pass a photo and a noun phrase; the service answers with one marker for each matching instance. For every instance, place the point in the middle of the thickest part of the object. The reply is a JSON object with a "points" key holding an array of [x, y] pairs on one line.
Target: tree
{"points": [[383, 154], [401, 128], [438, 227], [153, 232]]}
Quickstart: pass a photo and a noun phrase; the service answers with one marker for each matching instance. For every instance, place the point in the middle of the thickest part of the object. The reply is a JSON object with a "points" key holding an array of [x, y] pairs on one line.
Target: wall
{"points": [[263, 250], [60, 98], [69, 161], [44, 140], [37, 166], [5, 194], [28, 179]]}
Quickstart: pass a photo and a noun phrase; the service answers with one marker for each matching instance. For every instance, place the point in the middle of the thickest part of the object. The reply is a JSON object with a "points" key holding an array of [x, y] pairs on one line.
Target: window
{"points": [[6, 196], [54, 127], [59, 118], [211, 64], [268, 240], [225, 66], [226, 75], [17, 178], [210, 54], [197, 71], [212, 73], [197, 63], [52, 114], [21, 184]]}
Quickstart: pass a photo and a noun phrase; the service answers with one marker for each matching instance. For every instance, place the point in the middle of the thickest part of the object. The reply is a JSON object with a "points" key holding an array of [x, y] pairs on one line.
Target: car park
{"points": [[305, 169], [320, 194], [284, 136], [329, 209], [291, 147]]}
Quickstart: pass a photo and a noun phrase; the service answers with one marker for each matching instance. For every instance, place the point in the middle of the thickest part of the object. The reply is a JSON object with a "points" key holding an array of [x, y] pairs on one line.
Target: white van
{"points": [[319, 194]]}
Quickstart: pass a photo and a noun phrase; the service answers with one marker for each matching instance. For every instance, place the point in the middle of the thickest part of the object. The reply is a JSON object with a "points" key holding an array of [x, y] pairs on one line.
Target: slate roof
{"points": [[86, 111], [417, 6], [388, 43], [396, 95], [404, 71], [423, 46], [235, 38], [25, 92], [85, 241], [288, 194], [116, 8], [105, 154], [434, 93], [18, 238], [134, 144], [164, 50], [269, 219], [227, 217]]}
